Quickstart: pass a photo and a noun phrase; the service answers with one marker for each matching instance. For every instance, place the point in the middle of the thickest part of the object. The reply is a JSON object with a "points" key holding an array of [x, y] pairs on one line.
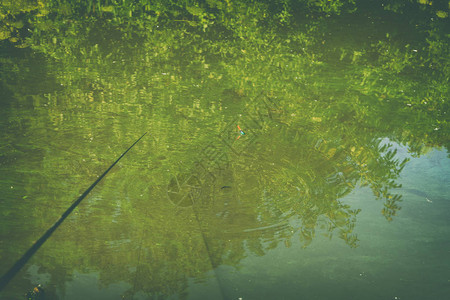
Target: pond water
{"points": [[294, 151]]}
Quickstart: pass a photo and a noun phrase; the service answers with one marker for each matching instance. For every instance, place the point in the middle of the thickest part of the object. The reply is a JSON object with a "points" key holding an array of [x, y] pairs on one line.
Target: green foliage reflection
{"points": [[321, 108]]}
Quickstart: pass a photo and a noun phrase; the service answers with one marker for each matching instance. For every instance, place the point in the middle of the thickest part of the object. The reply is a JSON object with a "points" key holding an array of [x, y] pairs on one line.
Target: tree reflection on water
{"points": [[319, 89]]}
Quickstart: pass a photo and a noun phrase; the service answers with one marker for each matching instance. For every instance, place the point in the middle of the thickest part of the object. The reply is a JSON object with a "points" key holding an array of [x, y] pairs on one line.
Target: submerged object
{"points": [[419, 193], [36, 294]]}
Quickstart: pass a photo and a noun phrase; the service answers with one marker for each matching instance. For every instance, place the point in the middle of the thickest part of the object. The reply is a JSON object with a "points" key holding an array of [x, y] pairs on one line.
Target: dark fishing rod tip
{"points": [[18, 265]]}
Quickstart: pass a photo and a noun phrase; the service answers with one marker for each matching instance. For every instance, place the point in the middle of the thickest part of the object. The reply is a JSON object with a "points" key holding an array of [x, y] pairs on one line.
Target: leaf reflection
{"points": [[319, 121]]}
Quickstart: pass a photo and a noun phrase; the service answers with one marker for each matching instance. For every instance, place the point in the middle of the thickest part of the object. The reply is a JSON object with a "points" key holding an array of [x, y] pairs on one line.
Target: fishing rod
{"points": [[6, 278]]}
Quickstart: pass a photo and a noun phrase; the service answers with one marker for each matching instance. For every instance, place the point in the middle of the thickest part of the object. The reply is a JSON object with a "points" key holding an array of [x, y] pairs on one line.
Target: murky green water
{"points": [[294, 151]]}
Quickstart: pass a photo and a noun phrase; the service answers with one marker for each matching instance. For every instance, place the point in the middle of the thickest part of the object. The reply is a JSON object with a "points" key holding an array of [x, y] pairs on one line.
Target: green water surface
{"points": [[296, 149]]}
